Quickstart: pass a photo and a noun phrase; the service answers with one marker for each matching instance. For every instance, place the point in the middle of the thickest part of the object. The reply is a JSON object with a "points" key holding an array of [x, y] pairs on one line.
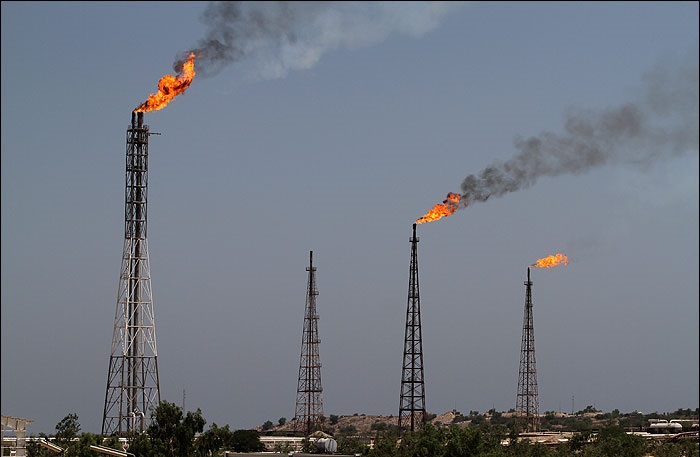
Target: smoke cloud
{"points": [[663, 123], [278, 37], [282, 36]]}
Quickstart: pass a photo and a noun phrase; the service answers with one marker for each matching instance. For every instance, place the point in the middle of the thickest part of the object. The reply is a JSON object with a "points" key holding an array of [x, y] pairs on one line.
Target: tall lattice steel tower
{"points": [[412, 406], [309, 405], [527, 403], [133, 387]]}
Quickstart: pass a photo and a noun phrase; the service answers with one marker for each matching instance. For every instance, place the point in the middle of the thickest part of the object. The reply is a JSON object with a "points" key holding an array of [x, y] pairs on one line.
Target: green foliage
{"points": [[246, 441], [525, 449], [385, 445], [464, 442], [172, 435], [81, 448], [67, 429], [588, 409], [485, 441], [429, 442], [614, 441], [282, 421], [213, 440], [348, 430], [689, 448], [352, 446], [140, 445], [283, 448], [67, 437], [112, 442], [268, 425], [379, 426], [34, 449], [307, 446], [632, 420]]}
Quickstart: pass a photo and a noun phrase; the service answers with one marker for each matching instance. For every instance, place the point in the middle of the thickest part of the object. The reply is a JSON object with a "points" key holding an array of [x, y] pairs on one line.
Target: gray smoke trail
{"points": [[282, 36], [664, 123]]}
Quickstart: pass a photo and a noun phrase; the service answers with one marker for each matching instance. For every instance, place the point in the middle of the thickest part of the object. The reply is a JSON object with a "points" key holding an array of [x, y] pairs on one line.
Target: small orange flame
{"points": [[444, 209], [169, 87], [551, 261]]}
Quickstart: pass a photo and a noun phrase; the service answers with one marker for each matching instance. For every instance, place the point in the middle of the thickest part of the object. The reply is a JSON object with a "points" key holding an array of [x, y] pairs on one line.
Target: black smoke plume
{"points": [[282, 36], [663, 123]]}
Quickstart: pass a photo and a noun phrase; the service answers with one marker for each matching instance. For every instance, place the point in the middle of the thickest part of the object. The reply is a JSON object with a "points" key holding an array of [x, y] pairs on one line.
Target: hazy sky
{"points": [[332, 130]]}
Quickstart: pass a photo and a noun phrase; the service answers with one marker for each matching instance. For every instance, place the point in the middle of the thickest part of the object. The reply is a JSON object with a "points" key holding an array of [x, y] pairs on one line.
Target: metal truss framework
{"points": [[133, 387], [412, 405], [309, 403], [527, 403]]}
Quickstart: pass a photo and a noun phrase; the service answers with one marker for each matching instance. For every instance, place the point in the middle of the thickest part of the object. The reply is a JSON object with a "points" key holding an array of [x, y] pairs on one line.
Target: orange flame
{"points": [[169, 87], [444, 209], [551, 261]]}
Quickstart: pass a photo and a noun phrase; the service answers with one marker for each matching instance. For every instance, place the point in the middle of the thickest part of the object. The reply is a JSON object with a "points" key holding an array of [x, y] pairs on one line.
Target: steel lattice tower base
{"points": [[133, 387], [309, 405], [527, 403], [412, 405]]}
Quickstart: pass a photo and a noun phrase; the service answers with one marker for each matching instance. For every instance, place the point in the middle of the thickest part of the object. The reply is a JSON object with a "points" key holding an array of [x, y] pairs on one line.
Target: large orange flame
{"points": [[551, 261], [444, 209], [169, 87]]}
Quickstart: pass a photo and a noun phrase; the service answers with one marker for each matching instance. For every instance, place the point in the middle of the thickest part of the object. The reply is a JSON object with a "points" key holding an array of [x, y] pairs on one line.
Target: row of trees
{"points": [[486, 441], [588, 419], [173, 433]]}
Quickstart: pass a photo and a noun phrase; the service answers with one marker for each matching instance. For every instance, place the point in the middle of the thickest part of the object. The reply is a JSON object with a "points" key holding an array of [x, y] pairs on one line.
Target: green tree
{"points": [[214, 440], [429, 442], [34, 449], [348, 429], [385, 445], [67, 429], [81, 448], [171, 434], [247, 441], [615, 442], [464, 442], [379, 426], [351, 446], [139, 445], [524, 448], [307, 446]]}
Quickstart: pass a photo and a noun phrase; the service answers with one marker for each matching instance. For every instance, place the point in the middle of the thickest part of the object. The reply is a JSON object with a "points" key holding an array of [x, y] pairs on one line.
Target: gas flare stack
{"points": [[133, 387], [308, 415], [412, 405], [527, 403]]}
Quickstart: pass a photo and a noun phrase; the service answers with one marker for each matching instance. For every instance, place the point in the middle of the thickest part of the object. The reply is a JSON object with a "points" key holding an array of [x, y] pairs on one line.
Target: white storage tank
{"points": [[663, 426], [327, 445]]}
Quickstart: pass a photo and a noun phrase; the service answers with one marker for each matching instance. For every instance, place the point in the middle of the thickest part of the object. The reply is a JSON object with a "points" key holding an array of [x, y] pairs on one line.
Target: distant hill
{"points": [[590, 418]]}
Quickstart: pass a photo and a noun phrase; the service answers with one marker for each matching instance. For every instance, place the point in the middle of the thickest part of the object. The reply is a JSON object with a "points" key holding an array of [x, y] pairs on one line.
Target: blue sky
{"points": [[335, 144]]}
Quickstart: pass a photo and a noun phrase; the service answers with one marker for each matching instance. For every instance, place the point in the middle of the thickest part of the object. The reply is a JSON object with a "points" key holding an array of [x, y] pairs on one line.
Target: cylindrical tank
{"points": [[327, 445], [663, 426]]}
